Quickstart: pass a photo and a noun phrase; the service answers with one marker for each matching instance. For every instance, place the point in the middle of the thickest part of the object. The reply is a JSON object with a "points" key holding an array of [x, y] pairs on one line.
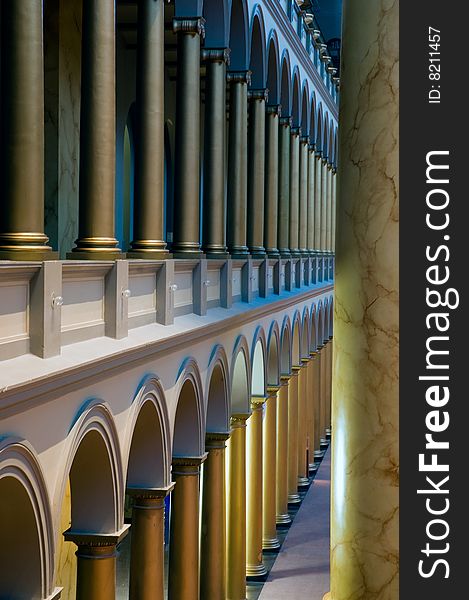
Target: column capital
{"points": [[238, 421], [219, 55], [312, 147], [286, 120], [194, 25], [187, 465], [257, 402], [258, 94], [304, 139], [304, 361], [96, 540], [318, 153], [150, 497], [285, 378], [239, 77], [274, 109], [296, 131], [273, 389], [296, 370], [215, 439]]}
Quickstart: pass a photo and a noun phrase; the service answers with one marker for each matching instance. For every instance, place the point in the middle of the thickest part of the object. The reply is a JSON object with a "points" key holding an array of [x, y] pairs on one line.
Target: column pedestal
{"points": [[282, 517], [269, 474]]}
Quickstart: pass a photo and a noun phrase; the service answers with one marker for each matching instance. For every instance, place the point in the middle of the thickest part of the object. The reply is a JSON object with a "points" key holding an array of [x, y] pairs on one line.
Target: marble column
{"points": [[214, 209], [317, 405], [323, 243], [96, 236], [284, 187], [294, 191], [310, 244], [213, 525], [329, 210], [311, 411], [328, 349], [148, 240], [237, 163], [365, 414], [183, 578], [96, 563], [269, 471], [256, 172], [303, 423], [271, 180], [22, 234], [293, 496], [322, 396], [317, 202], [303, 197], [186, 239], [334, 209], [282, 517], [147, 543]]}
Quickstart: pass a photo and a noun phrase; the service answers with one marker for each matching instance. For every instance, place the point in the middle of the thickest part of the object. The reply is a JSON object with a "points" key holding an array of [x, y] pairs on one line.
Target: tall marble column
{"points": [[310, 200], [214, 209], [294, 191], [183, 579], [311, 410], [329, 209], [317, 405], [323, 205], [186, 240], [293, 496], [148, 240], [284, 187], [256, 172], [269, 471], [22, 234], [213, 525], [271, 180], [322, 396], [97, 134], [365, 414], [303, 423], [238, 163], [303, 197], [318, 202], [283, 518], [334, 208]]}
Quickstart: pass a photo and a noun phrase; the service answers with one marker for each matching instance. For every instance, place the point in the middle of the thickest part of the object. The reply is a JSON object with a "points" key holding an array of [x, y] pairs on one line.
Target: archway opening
{"points": [[217, 417]]}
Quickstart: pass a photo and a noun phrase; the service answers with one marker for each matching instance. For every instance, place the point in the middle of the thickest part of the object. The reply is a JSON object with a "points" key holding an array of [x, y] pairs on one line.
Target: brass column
{"points": [[283, 518], [293, 496], [213, 534], [311, 183], [254, 565], [317, 202], [183, 580], [186, 242], [303, 197], [238, 163], [214, 211], [236, 510], [147, 544], [294, 191], [148, 240], [303, 467], [96, 237], [284, 187], [22, 133], [271, 180], [96, 563], [269, 472], [256, 172]]}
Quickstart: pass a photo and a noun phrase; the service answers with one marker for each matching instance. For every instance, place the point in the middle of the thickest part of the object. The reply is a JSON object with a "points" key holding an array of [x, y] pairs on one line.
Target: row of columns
{"points": [[280, 190], [250, 476]]}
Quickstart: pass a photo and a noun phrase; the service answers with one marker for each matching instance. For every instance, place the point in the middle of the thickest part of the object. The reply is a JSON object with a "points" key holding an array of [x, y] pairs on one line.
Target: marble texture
{"points": [[365, 484]]}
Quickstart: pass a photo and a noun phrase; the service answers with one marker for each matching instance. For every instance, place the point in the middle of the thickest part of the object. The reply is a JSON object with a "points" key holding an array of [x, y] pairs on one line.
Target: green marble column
{"points": [[294, 191], [284, 187], [310, 199], [271, 180]]}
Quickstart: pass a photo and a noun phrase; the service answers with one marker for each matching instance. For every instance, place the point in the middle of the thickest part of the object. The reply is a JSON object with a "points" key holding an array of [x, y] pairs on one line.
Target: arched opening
{"points": [[296, 349], [326, 149], [312, 120], [305, 110], [273, 360], [239, 36], [217, 417], [258, 370], [125, 216], [257, 58], [186, 441], [296, 110], [285, 88], [305, 334], [215, 13], [240, 394], [272, 72], [314, 330], [319, 130]]}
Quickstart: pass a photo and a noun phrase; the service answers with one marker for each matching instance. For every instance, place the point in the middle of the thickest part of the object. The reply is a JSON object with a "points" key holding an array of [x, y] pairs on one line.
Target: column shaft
{"points": [[214, 211], [328, 387], [334, 210], [322, 396], [303, 197], [283, 518], [302, 424], [96, 237], [96, 573], [269, 473], [22, 133], [317, 405], [237, 164], [310, 411], [294, 191], [271, 180], [148, 240], [311, 184], [323, 205], [293, 496], [284, 187], [329, 210], [318, 203], [186, 242], [256, 172]]}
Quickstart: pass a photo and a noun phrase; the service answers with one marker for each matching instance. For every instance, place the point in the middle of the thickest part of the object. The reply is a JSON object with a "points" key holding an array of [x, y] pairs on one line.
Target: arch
{"points": [[312, 120], [148, 443], [336, 148], [258, 363], [216, 15], [296, 99], [273, 76], [296, 339], [330, 144], [239, 43], [305, 109], [285, 84], [25, 522], [257, 61], [325, 143], [319, 129], [320, 325], [313, 329], [240, 378], [189, 425], [273, 355], [305, 333], [218, 392], [286, 347]]}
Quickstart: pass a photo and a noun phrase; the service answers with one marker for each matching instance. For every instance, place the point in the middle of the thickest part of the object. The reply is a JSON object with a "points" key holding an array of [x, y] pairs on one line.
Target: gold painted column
{"points": [[317, 202], [328, 388], [183, 579], [322, 397], [256, 172], [303, 467], [213, 534], [284, 187], [269, 472], [214, 210], [282, 518], [96, 563], [236, 510], [293, 496], [186, 241], [147, 543], [22, 234], [294, 191], [96, 235], [271, 180], [254, 565], [148, 239], [238, 163], [310, 200], [365, 413], [311, 410], [317, 405], [303, 197]]}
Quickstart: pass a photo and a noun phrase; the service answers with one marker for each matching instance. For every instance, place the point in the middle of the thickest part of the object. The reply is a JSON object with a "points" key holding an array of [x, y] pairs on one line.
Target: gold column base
{"points": [[96, 248], [25, 246], [327, 596], [148, 250]]}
